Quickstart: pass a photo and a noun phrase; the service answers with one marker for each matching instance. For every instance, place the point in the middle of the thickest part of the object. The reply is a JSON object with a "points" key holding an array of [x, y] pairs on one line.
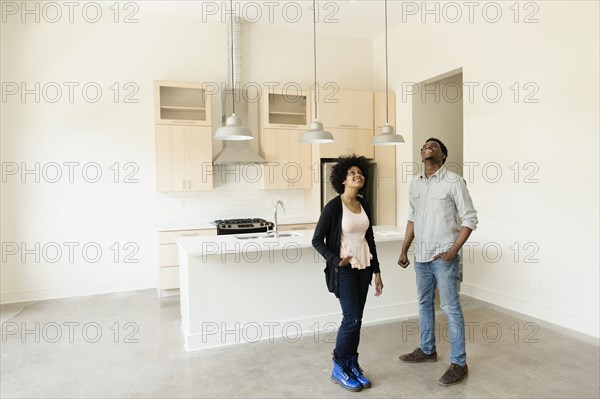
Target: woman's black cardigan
{"points": [[327, 240]]}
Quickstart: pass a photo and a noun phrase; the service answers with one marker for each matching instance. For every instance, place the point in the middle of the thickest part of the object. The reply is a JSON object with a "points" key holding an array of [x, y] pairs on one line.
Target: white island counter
{"points": [[236, 289]]}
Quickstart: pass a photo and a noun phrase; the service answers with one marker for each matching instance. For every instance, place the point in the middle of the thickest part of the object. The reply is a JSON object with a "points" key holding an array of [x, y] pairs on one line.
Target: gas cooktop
{"points": [[245, 225]]}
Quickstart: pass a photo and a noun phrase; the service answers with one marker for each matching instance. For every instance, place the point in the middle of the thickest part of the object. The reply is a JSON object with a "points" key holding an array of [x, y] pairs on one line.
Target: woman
{"points": [[344, 237]]}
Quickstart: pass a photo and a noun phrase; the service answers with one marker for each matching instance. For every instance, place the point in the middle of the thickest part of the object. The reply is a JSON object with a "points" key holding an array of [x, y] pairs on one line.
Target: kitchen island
{"points": [[247, 288]]}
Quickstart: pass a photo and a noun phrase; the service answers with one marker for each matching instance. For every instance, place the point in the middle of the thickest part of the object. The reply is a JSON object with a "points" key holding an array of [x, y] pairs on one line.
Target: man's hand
{"points": [[403, 260], [447, 256]]}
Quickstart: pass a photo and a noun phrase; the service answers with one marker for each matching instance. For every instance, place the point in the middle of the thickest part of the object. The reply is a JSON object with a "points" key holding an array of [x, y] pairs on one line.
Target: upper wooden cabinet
{"points": [[181, 103], [285, 110], [288, 161], [183, 158], [349, 141], [349, 109], [379, 110]]}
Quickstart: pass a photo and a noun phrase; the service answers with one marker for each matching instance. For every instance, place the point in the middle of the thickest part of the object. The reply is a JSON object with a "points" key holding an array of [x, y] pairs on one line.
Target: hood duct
{"points": [[245, 151]]}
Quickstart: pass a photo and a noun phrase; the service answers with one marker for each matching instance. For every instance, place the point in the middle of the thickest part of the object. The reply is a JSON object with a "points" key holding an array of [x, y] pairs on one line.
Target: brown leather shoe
{"points": [[418, 356], [454, 374]]}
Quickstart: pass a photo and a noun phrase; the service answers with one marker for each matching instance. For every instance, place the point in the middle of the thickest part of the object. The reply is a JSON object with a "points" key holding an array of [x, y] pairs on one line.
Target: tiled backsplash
{"points": [[237, 193]]}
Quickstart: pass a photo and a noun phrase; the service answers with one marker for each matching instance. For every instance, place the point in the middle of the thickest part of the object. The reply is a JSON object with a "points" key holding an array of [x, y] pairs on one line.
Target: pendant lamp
{"points": [[233, 129], [315, 134], [387, 136]]}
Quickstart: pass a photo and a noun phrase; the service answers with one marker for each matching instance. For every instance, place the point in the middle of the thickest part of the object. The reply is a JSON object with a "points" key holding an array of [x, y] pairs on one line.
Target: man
{"points": [[438, 198]]}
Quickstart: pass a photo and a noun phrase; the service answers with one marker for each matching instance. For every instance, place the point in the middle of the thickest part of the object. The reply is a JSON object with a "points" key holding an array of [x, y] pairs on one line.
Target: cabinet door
{"points": [[169, 278], [168, 256], [182, 103], [359, 142], [182, 156], [285, 110], [300, 158], [275, 151], [379, 110], [347, 109], [289, 161], [198, 158], [339, 145], [170, 158], [347, 142]]}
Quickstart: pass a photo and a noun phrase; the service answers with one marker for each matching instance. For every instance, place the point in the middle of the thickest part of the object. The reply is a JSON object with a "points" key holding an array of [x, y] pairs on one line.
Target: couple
{"points": [[344, 237]]}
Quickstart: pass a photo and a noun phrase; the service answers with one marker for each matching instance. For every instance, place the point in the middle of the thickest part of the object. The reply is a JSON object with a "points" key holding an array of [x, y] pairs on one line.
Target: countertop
{"points": [[252, 242]]}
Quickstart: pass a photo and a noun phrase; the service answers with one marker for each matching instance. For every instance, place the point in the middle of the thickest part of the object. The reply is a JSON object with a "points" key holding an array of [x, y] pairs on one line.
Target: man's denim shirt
{"points": [[439, 206]]}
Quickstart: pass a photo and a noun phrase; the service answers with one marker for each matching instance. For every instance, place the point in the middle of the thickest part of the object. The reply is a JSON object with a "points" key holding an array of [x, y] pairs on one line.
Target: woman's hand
{"points": [[345, 261], [378, 284]]}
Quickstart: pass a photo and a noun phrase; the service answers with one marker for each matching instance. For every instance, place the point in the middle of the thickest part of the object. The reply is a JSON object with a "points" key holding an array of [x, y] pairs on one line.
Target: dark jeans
{"points": [[353, 286]]}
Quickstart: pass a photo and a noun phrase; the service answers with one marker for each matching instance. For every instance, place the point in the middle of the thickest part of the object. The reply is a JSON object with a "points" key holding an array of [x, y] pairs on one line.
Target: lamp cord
{"points": [[232, 70], [387, 107]]}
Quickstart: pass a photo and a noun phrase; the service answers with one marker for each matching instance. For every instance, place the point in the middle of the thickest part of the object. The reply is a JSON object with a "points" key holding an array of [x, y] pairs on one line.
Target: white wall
{"points": [[554, 220], [99, 214]]}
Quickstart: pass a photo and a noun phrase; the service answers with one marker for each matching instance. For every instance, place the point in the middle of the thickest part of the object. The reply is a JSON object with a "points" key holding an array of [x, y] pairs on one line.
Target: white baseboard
{"points": [[554, 316], [79, 290]]}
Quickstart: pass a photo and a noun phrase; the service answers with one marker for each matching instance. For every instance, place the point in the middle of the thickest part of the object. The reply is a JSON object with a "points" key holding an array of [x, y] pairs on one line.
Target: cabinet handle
{"points": [[190, 235], [298, 228], [288, 126], [183, 184], [348, 125], [189, 184]]}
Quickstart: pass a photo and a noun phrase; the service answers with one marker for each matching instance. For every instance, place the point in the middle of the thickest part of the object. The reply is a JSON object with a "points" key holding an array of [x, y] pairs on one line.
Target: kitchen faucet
{"points": [[279, 202]]}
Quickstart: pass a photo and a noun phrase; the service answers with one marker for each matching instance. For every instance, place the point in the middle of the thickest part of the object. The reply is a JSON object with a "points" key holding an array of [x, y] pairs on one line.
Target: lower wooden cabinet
{"points": [[168, 258]]}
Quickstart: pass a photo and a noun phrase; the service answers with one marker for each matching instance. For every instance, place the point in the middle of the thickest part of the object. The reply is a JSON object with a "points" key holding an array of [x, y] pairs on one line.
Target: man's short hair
{"points": [[442, 146]]}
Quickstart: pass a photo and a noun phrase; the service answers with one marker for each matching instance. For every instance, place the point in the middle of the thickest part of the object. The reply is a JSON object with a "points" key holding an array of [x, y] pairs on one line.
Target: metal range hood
{"points": [[244, 151], [237, 152]]}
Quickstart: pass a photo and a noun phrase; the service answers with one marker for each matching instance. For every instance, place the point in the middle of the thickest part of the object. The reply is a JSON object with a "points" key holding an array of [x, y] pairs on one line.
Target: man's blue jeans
{"points": [[353, 286], [444, 275]]}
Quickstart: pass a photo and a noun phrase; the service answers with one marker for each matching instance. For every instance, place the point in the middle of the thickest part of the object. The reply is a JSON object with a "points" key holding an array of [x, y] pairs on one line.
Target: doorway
{"points": [[437, 111]]}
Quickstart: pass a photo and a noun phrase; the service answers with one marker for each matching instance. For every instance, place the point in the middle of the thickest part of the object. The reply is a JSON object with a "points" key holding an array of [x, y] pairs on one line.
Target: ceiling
{"points": [[353, 18]]}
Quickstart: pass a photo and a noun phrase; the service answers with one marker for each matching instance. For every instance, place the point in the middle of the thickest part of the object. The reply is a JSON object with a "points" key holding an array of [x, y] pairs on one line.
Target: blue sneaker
{"points": [[357, 372]]}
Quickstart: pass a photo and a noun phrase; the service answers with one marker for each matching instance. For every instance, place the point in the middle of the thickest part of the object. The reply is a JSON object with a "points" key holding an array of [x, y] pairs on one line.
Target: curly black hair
{"points": [[339, 171]]}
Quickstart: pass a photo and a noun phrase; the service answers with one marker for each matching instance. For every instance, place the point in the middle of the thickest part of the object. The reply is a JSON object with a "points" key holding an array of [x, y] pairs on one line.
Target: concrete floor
{"points": [[86, 348]]}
